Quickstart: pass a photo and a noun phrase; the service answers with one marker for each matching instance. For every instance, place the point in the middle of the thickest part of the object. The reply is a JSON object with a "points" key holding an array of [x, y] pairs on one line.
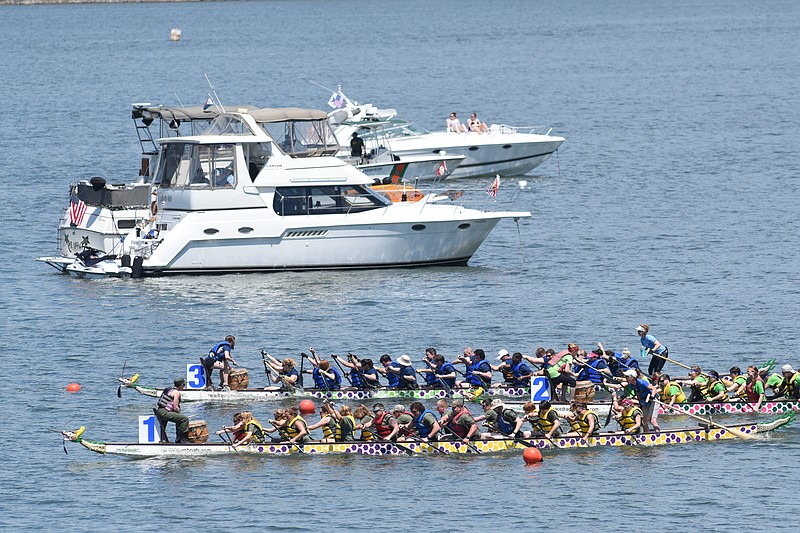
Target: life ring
{"points": [[154, 208]]}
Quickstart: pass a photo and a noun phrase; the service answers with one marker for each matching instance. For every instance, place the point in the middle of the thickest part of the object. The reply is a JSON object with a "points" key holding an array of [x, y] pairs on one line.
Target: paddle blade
{"points": [[119, 391]]}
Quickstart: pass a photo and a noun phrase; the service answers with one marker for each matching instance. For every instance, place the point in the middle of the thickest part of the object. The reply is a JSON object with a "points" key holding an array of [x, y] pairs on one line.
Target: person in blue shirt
{"points": [[651, 345], [645, 394], [219, 358]]}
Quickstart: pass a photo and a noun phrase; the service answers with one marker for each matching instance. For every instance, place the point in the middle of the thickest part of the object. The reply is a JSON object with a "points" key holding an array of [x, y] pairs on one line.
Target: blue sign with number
{"points": [[540, 389], [195, 376]]}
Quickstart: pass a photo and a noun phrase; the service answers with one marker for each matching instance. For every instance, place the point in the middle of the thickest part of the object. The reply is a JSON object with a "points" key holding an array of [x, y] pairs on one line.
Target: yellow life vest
{"points": [[709, 392], [581, 422], [544, 423], [258, 431], [666, 397], [330, 429], [291, 429], [627, 419], [366, 434]]}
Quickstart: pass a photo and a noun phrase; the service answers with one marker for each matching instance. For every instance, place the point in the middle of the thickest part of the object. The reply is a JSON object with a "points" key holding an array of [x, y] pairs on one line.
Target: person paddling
{"points": [[754, 387], [286, 374], [715, 389], [252, 431], [790, 386]]}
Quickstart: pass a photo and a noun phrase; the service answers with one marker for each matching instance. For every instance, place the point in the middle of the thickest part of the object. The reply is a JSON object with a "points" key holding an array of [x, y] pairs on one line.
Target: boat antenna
{"points": [[179, 99], [326, 88], [214, 96]]}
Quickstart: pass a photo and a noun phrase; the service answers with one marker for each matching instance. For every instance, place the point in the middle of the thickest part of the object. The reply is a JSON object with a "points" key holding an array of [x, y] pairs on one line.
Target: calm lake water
{"points": [[673, 202]]}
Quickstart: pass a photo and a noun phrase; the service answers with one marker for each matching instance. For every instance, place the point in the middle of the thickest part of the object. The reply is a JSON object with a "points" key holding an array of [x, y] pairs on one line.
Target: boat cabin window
{"points": [[325, 200], [256, 156], [302, 138], [228, 125], [196, 166]]}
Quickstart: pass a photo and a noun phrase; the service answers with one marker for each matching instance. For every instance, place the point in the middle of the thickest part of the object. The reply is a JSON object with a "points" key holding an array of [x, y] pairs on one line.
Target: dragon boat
{"points": [[345, 393], [616, 439], [777, 406]]}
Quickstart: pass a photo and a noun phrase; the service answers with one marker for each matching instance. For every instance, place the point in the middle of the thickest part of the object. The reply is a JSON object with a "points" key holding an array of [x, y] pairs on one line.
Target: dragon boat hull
{"points": [[616, 439]]}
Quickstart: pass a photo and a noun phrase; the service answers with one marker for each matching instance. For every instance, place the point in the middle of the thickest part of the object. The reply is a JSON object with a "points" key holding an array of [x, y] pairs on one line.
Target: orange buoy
{"points": [[532, 456], [307, 407], [73, 387]]}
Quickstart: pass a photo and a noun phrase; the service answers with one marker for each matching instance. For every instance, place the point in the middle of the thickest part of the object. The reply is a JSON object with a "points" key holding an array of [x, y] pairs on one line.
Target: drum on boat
{"points": [[238, 379], [198, 432]]}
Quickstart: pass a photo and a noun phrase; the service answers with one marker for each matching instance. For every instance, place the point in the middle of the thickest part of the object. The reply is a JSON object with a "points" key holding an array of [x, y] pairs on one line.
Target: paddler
{"points": [[384, 423], [424, 423], [594, 368], [286, 376], [168, 409], [326, 377], [237, 428], [545, 420], [364, 417], [520, 371], [404, 420], [346, 424], [736, 382], [790, 386], [503, 421], [219, 358], [504, 367], [698, 382], [327, 422], [584, 421], [628, 415], [252, 430], [407, 375], [644, 395], [444, 372], [279, 424], [429, 372], [296, 428], [362, 374], [479, 371], [459, 422], [671, 391], [715, 389], [391, 371], [754, 387]]}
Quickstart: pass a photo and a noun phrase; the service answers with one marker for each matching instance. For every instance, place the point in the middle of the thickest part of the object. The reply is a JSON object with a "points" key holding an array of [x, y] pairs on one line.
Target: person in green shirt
{"points": [[699, 384], [754, 388], [772, 381], [736, 382]]}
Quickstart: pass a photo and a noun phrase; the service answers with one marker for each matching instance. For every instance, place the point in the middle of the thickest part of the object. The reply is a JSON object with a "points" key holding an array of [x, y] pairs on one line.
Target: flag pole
{"points": [[217, 101]]}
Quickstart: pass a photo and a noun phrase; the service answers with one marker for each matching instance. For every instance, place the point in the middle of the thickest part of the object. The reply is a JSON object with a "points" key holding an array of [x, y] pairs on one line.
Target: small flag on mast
{"points": [[493, 187], [337, 100], [76, 210], [442, 170], [209, 103]]}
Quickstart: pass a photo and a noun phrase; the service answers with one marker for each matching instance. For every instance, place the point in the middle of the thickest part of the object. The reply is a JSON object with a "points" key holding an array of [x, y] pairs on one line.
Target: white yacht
{"points": [[230, 200], [503, 150]]}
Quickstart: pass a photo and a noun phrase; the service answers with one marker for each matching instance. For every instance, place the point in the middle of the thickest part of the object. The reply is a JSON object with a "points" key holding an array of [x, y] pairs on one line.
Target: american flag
{"points": [[442, 170], [337, 100], [76, 210], [492, 189]]}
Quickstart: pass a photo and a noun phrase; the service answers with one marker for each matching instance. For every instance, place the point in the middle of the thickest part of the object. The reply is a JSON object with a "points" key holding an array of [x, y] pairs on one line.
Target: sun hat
{"points": [[399, 407], [639, 329], [787, 368], [179, 381], [404, 360], [502, 353], [458, 402], [497, 402], [631, 373]]}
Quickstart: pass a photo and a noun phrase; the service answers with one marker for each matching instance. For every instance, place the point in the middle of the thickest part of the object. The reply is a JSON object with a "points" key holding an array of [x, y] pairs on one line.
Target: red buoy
{"points": [[307, 407], [73, 387], [532, 456]]}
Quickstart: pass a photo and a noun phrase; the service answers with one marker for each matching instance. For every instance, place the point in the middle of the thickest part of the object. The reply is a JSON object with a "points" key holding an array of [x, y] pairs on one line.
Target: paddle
{"points": [[299, 449], [734, 431], [345, 374], [459, 439], [119, 388]]}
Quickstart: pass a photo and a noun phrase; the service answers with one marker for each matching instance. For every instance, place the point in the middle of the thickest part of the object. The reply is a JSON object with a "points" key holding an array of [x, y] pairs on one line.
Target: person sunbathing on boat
{"points": [[475, 125], [454, 125]]}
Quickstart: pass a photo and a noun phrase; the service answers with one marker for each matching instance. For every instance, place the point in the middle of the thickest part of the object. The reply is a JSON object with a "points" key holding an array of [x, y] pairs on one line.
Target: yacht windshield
{"points": [[326, 200], [307, 138], [228, 125], [196, 166]]}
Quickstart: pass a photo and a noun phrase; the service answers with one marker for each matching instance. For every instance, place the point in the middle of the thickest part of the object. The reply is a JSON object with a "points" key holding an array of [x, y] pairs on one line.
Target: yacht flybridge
{"points": [[230, 200]]}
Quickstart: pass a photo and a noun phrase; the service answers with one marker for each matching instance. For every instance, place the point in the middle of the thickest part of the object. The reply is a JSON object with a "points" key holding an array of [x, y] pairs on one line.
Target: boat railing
{"points": [[505, 128]]}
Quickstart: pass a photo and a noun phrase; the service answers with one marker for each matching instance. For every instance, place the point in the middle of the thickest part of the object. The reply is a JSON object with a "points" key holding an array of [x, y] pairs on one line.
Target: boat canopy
{"points": [[298, 132]]}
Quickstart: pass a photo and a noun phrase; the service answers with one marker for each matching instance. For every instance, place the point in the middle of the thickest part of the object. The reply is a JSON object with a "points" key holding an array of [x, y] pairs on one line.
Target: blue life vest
{"points": [[324, 383], [521, 369], [404, 383], [298, 384], [421, 428], [392, 372], [592, 372], [368, 383], [355, 379], [430, 378], [447, 368], [503, 425], [218, 352], [476, 380]]}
